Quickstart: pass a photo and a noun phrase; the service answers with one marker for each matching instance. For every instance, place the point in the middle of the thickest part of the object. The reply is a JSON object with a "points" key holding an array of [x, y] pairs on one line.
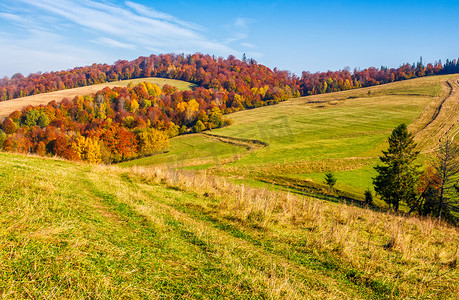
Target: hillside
{"points": [[73, 230], [342, 132], [8, 107]]}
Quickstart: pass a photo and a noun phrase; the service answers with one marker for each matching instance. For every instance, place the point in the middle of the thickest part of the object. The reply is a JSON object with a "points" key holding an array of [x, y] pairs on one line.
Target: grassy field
{"points": [[7, 107], [191, 151], [76, 231], [342, 132]]}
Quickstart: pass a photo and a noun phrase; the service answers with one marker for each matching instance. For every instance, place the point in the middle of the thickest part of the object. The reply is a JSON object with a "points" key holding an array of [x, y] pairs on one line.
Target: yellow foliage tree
{"points": [[190, 108], [153, 89], [152, 141], [87, 149], [101, 111], [134, 106], [181, 107]]}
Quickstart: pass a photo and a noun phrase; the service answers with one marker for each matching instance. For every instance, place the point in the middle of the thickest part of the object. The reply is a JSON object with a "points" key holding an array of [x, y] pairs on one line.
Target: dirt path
{"points": [[443, 116]]}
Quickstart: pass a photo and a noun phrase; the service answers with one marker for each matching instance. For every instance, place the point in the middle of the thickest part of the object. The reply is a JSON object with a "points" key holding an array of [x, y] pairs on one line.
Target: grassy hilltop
{"points": [[71, 230]]}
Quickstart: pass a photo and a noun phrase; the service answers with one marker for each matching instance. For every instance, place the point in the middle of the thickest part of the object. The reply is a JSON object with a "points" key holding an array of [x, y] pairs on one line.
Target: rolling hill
{"points": [[73, 230], [7, 107], [342, 132], [208, 218]]}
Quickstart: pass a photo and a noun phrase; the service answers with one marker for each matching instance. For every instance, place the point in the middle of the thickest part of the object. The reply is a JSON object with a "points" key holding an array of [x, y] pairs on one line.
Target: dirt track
{"points": [[439, 119]]}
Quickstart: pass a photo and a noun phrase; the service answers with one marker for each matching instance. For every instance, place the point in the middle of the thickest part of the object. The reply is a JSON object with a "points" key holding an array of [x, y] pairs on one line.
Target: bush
{"points": [[199, 126], [368, 197]]}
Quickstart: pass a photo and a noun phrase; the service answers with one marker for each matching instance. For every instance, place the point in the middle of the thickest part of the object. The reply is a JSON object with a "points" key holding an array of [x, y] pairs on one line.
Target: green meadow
{"points": [[343, 132], [188, 151]]}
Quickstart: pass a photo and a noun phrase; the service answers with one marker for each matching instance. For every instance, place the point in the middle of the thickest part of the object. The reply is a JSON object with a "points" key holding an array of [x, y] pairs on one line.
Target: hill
{"points": [[72, 230], [8, 107], [342, 132]]}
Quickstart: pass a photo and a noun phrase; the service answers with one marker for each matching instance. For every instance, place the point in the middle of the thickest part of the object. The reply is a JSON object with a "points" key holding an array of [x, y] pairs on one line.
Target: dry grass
{"points": [[73, 231], [439, 118], [406, 255]]}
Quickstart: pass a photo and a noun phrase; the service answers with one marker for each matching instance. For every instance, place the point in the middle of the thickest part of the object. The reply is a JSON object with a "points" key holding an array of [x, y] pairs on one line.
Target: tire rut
{"points": [[443, 120], [194, 217]]}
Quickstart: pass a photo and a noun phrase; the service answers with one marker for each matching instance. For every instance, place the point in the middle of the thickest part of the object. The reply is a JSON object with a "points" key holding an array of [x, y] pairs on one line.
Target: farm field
{"points": [[343, 132], [7, 107], [73, 230]]}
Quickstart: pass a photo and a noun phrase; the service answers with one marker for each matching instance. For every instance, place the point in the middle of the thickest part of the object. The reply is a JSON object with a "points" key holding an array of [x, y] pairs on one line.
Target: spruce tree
{"points": [[397, 176], [330, 180]]}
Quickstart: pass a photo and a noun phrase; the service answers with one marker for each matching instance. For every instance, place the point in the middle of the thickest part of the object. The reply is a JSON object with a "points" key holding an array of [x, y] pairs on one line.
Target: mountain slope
{"points": [[72, 230], [342, 132]]}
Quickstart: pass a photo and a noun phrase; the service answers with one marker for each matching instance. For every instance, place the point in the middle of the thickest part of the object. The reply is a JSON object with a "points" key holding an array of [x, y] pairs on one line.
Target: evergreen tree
{"points": [[330, 180], [397, 177]]}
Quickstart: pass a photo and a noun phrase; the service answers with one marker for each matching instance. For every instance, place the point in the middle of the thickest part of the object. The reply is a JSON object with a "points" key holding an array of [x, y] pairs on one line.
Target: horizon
{"points": [[50, 35]]}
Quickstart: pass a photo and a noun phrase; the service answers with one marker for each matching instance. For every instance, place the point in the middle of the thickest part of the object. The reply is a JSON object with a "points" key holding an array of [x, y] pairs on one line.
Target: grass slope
{"points": [[7, 107], [342, 132], [71, 230], [191, 151]]}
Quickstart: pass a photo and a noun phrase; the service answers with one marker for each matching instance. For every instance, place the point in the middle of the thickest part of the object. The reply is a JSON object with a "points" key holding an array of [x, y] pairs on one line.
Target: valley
{"points": [[231, 202]]}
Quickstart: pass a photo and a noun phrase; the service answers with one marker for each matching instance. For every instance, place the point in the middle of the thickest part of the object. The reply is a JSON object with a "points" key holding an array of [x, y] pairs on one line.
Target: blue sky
{"points": [[47, 35]]}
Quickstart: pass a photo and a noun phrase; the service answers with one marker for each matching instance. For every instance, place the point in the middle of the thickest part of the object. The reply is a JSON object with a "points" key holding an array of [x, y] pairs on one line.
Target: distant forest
{"points": [[124, 123], [230, 74]]}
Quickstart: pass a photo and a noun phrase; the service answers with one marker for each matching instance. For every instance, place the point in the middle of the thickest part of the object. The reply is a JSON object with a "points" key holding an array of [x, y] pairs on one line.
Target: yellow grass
{"points": [[73, 231]]}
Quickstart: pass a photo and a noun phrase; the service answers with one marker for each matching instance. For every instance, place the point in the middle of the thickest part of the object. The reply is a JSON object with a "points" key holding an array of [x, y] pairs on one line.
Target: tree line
{"points": [[231, 74], [326, 82], [249, 83]]}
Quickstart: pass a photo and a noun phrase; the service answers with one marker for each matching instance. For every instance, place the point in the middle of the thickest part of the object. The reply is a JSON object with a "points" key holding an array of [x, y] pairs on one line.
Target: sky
{"points": [[52, 35]]}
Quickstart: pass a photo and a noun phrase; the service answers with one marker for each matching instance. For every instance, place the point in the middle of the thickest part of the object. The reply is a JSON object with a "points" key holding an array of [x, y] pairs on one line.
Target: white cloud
{"points": [[26, 57], [149, 29], [59, 34], [248, 45], [239, 32], [11, 17], [112, 43], [152, 13], [242, 23]]}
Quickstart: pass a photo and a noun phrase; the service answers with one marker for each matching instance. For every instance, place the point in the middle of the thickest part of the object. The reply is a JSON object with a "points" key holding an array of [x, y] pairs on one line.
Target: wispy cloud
{"points": [[248, 45], [11, 17], [112, 43], [42, 51], [133, 24], [69, 28], [239, 31], [152, 13]]}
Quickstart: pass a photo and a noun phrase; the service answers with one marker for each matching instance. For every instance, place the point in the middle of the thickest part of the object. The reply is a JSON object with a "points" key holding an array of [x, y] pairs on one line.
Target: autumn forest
{"points": [[123, 123]]}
